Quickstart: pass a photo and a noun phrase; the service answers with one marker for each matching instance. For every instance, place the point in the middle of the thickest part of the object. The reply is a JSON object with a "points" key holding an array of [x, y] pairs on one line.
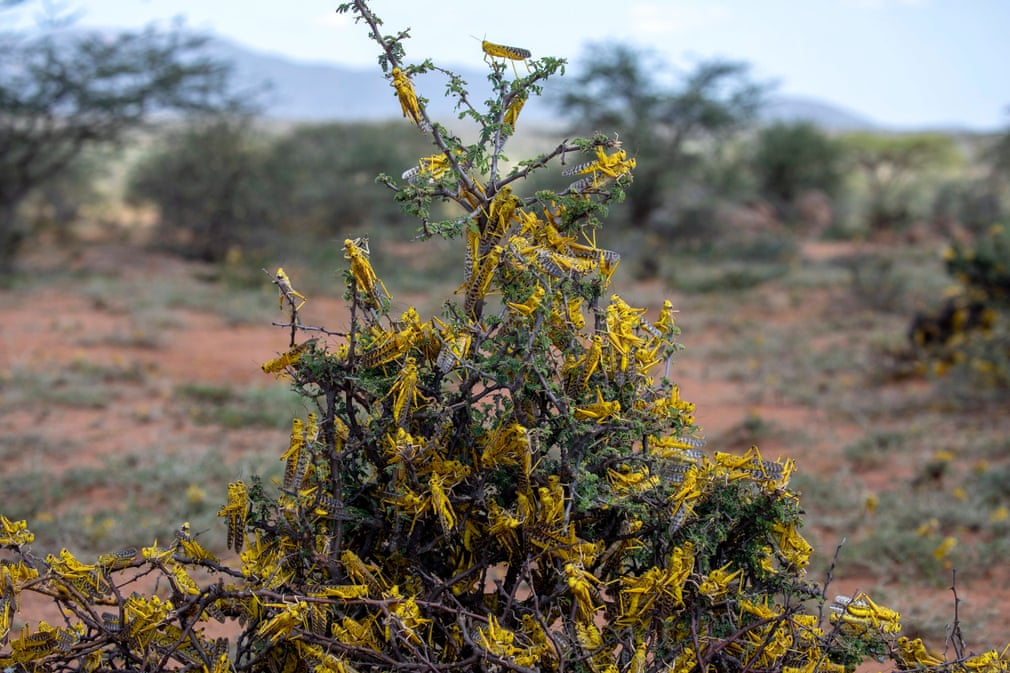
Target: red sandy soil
{"points": [[44, 329]]}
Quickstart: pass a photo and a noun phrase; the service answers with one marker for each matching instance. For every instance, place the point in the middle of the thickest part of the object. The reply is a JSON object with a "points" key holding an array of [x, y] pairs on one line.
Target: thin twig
{"points": [[956, 639], [828, 577]]}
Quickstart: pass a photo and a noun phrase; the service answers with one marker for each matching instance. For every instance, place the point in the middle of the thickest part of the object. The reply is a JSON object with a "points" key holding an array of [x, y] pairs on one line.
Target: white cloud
{"points": [[654, 18]]}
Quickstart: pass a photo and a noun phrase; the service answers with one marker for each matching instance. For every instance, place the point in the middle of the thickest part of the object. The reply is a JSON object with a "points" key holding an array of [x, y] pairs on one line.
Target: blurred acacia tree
{"points": [[322, 177], [668, 126], [64, 91], [224, 181], [791, 158], [207, 180], [890, 163]]}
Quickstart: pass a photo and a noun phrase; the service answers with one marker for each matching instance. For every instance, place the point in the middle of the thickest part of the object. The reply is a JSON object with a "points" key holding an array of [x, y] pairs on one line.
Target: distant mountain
{"points": [[826, 115], [301, 91], [327, 92]]}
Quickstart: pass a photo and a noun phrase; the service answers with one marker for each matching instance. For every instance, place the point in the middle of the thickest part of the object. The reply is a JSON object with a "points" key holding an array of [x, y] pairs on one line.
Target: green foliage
{"points": [[874, 448], [998, 157], [222, 185], [984, 268], [230, 408], [704, 276], [63, 201], [875, 281], [513, 484], [792, 158], [207, 183], [322, 177], [970, 202], [968, 332], [890, 165]]}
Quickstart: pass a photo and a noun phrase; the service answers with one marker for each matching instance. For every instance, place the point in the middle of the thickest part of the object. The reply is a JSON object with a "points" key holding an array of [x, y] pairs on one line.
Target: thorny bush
{"points": [[968, 332], [514, 485]]}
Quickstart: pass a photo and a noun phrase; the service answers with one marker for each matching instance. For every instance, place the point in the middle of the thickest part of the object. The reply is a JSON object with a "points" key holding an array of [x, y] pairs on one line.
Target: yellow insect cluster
{"points": [[605, 596], [408, 99]]}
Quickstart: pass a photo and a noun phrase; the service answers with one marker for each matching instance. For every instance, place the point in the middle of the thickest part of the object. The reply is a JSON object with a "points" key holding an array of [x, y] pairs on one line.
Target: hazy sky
{"points": [[899, 62]]}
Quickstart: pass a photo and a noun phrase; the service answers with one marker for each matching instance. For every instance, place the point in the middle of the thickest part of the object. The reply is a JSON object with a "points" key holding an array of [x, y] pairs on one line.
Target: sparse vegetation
{"points": [[917, 489]]}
